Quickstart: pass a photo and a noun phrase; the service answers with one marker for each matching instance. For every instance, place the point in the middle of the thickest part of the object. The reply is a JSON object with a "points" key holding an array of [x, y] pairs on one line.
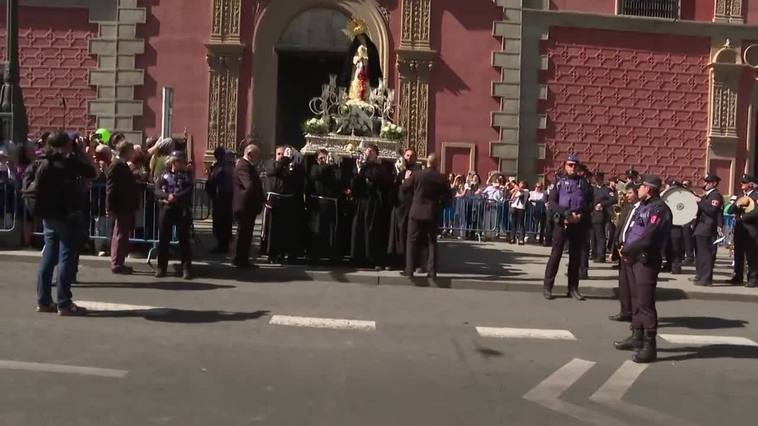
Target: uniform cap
{"points": [[178, 156], [631, 173], [747, 179], [710, 177], [674, 183], [651, 181], [572, 158]]}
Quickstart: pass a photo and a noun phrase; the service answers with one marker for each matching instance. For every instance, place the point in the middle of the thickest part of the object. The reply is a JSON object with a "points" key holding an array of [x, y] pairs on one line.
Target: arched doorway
{"points": [[311, 48], [271, 24]]}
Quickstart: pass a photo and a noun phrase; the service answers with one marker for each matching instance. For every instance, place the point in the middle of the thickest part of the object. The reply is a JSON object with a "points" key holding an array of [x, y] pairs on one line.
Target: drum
{"points": [[683, 205]]}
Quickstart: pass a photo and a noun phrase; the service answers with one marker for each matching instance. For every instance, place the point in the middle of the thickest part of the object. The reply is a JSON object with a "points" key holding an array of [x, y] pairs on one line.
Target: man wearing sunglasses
{"points": [[571, 203]]}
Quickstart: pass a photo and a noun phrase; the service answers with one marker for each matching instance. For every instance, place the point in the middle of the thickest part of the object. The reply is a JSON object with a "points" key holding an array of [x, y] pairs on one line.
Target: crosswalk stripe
{"points": [[701, 340], [59, 368], [333, 323], [524, 333]]}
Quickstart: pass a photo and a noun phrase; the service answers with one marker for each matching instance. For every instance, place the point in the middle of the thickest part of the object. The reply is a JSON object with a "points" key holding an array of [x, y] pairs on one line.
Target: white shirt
{"points": [[629, 221], [493, 193], [518, 202], [537, 196]]}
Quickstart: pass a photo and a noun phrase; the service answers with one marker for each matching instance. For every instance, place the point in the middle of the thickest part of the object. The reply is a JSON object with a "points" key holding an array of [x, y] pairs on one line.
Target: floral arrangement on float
{"points": [[358, 110]]}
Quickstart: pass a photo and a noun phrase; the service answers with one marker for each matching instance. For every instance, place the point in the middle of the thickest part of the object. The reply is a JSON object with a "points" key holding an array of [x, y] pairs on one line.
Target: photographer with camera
{"points": [[571, 202], [54, 186]]}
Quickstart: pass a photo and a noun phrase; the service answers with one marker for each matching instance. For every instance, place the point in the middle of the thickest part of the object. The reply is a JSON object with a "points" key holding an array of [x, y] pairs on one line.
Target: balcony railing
{"points": [[653, 8]]}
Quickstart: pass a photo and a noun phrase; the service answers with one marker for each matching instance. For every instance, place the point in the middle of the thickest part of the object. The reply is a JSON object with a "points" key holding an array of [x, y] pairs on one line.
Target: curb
{"points": [[224, 271]]}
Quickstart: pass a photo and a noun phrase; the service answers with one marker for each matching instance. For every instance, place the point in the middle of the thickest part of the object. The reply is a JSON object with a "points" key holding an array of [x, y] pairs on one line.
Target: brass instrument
{"points": [[618, 207], [745, 203]]}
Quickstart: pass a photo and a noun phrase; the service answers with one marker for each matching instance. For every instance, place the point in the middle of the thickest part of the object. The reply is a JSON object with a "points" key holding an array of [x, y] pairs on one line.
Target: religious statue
{"points": [[359, 84], [362, 64]]}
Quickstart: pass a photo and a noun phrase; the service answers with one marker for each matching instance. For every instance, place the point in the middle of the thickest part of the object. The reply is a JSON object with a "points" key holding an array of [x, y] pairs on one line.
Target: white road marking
{"points": [[524, 333], [548, 392], [612, 392], [115, 307], [701, 340], [337, 324], [59, 368]]}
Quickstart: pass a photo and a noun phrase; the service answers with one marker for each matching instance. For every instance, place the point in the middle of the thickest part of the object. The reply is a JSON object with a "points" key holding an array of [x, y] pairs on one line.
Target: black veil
{"points": [[374, 65]]}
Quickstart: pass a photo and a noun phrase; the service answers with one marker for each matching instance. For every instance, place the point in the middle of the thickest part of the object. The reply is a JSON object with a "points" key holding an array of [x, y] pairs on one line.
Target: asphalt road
{"points": [[225, 352]]}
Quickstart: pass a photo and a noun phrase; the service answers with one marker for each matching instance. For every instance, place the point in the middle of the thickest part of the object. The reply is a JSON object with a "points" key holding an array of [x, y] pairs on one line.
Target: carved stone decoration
{"points": [[415, 59], [224, 58], [728, 11], [725, 71]]}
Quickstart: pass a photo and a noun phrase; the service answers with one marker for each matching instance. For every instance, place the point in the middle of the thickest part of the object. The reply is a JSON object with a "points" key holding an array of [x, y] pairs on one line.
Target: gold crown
{"points": [[356, 26]]}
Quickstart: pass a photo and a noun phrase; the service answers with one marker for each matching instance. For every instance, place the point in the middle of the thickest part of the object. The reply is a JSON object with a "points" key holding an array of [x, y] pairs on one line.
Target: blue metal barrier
{"points": [[476, 217], [9, 206]]}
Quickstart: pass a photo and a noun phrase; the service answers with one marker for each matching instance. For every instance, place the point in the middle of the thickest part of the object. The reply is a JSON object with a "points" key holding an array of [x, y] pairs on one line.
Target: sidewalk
{"points": [[493, 266]]}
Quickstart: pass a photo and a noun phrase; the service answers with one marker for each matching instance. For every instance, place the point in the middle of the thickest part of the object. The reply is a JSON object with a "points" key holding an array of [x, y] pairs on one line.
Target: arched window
{"points": [[653, 8]]}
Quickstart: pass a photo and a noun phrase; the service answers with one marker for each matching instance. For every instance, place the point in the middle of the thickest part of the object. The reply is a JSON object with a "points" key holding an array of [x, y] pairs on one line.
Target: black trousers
{"points": [[576, 236], [675, 249], [422, 239], [517, 224], [598, 241], [624, 292], [168, 217], [611, 231], [745, 248], [245, 226], [689, 242], [643, 280], [222, 220], [705, 258], [549, 228]]}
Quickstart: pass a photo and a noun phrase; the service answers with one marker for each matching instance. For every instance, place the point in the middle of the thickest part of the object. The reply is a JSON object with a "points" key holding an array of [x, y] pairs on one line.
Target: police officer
{"points": [[625, 220], [746, 237], [173, 190], [644, 236], [706, 229], [571, 202], [604, 198]]}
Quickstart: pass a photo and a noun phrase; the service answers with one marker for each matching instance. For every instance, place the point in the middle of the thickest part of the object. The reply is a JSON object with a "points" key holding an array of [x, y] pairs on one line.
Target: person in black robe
{"points": [[282, 238], [401, 206], [371, 188], [322, 201]]}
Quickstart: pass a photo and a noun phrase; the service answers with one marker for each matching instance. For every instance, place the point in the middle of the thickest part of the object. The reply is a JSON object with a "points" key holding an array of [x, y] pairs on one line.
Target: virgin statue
{"points": [[362, 70]]}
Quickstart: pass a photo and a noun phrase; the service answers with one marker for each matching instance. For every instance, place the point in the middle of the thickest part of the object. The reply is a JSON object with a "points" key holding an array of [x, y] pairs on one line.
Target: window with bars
{"points": [[654, 8]]}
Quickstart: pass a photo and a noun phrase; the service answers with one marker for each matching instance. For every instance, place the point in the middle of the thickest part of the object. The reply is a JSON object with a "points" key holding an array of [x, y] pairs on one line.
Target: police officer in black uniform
{"points": [[604, 198], [709, 219], [746, 236], [644, 236], [571, 202]]}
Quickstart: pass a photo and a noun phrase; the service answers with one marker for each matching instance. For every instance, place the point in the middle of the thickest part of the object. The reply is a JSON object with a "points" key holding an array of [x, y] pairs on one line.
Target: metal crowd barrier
{"points": [[9, 206], [479, 218]]}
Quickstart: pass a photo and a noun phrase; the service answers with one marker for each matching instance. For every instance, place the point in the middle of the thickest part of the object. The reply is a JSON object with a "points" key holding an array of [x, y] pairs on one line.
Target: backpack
{"points": [[29, 190]]}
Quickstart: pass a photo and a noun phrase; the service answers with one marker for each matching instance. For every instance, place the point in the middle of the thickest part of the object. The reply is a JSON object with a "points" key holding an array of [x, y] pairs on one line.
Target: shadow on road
{"points": [[710, 352], [180, 315], [701, 323], [167, 285]]}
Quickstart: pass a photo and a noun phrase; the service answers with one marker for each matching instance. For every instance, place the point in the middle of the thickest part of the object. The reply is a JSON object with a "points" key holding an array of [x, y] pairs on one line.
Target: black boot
{"points": [[187, 272], [648, 352], [574, 292], [633, 342]]}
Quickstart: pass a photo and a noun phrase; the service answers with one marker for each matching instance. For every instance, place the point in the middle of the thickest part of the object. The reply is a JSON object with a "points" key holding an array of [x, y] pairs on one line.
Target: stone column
{"points": [[224, 58], [415, 59]]}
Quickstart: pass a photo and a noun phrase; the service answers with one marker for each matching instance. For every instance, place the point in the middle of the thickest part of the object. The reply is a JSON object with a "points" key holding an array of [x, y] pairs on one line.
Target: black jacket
{"points": [[58, 188], [430, 192], [606, 197], [655, 234], [709, 214], [122, 195], [248, 191]]}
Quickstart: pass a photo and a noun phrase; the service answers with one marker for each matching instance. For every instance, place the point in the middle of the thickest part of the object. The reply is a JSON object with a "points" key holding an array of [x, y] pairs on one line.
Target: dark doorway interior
{"points": [[755, 148], [301, 75]]}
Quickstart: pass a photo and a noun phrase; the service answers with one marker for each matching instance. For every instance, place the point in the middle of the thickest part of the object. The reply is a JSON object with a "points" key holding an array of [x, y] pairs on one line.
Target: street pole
{"points": [[11, 97]]}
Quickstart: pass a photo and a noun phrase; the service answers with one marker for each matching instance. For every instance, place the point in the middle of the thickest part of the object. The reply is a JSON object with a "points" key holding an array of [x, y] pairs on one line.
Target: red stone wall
{"points": [[175, 36], [623, 100], [55, 64], [461, 81]]}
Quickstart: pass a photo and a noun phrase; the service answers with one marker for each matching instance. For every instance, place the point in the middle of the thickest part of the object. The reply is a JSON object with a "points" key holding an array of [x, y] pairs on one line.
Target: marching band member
{"points": [[746, 235], [709, 219]]}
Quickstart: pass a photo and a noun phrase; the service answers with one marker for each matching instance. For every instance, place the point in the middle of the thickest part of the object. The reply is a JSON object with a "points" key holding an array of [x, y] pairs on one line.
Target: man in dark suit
{"points": [[122, 200], [219, 189], [429, 191], [624, 293], [247, 203], [706, 229]]}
